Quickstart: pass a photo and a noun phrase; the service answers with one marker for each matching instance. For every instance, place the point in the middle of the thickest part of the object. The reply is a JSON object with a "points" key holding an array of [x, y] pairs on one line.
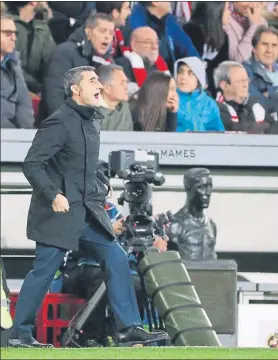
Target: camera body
{"points": [[139, 169], [136, 166]]}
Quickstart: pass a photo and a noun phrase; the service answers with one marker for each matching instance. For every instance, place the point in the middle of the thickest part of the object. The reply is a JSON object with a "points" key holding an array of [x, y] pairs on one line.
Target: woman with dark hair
{"points": [[156, 105], [205, 29]]}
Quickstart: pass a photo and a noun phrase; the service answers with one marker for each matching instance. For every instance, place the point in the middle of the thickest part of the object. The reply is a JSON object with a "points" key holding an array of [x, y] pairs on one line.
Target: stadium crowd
{"points": [[165, 66]]}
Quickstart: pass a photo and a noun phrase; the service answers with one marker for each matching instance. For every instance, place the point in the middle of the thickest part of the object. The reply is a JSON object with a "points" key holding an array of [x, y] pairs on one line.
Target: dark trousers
{"points": [[120, 289]]}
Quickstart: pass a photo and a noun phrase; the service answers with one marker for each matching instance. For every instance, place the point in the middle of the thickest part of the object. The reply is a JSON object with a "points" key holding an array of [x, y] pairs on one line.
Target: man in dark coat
{"points": [[34, 41], [238, 110], [89, 46], [66, 210], [15, 102]]}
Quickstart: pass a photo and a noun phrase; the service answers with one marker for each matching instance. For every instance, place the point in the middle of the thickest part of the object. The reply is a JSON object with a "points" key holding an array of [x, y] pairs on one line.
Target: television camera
{"points": [[139, 169]]}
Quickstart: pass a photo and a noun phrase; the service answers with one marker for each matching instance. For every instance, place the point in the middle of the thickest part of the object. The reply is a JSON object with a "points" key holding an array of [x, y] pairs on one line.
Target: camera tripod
{"points": [[75, 329]]}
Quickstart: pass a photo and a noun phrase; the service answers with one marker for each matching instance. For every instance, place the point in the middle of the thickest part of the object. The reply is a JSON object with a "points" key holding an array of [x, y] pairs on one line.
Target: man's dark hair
{"points": [[73, 77], [263, 30], [208, 14], [94, 17], [14, 6], [106, 7]]}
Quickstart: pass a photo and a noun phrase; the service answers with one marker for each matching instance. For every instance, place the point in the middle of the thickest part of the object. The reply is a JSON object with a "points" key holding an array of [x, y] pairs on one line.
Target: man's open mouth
{"points": [[104, 45], [97, 95]]}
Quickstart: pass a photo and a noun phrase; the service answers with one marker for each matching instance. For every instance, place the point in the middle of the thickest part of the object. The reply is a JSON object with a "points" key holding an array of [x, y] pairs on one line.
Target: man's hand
{"points": [[118, 226], [173, 103], [254, 14], [226, 14], [160, 244], [60, 204], [49, 10]]}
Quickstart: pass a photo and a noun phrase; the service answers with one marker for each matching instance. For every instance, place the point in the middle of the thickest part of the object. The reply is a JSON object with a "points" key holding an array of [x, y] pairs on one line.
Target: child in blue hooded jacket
{"points": [[197, 110]]}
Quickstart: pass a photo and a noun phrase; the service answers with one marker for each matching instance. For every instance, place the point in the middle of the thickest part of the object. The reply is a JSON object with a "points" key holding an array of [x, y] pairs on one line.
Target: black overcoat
{"points": [[63, 159]]}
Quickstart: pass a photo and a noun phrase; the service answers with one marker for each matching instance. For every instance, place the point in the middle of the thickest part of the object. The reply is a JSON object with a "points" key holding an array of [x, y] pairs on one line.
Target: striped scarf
{"points": [[138, 67], [183, 10], [136, 61], [257, 109], [242, 20], [119, 41]]}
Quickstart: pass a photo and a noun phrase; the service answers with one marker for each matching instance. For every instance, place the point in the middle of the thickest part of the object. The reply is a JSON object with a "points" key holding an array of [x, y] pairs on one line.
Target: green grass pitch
{"points": [[141, 353]]}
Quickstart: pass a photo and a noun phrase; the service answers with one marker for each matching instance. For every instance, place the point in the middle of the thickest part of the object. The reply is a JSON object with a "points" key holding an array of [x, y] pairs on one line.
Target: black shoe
{"points": [[27, 343], [136, 335]]}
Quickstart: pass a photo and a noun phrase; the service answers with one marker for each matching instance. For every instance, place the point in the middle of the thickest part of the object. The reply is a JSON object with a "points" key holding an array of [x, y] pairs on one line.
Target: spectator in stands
{"points": [[182, 10], [173, 42], [34, 40], [262, 67], [119, 10], [239, 111], [16, 106], [94, 50], [68, 16], [197, 111], [270, 12], [143, 58], [157, 104], [206, 32], [240, 26], [114, 104]]}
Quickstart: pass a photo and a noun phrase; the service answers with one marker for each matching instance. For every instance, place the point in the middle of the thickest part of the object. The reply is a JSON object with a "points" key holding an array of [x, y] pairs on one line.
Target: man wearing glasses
{"points": [[144, 56], [16, 106], [239, 111]]}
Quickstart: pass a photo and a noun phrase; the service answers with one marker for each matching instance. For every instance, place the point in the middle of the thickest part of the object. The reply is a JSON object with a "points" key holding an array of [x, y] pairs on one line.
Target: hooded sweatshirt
{"points": [[197, 111]]}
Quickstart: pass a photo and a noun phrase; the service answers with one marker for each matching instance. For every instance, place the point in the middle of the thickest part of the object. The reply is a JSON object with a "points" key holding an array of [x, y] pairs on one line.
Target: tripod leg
{"points": [[77, 322], [154, 315], [161, 324], [147, 304], [90, 306], [149, 316]]}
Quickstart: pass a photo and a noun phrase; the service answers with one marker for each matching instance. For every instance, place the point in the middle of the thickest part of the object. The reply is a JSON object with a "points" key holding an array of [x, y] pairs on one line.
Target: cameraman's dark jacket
{"points": [[63, 159]]}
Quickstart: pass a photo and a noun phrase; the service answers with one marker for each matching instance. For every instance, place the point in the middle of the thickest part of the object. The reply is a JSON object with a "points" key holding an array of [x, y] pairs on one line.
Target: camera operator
{"points": [[83, 275]]}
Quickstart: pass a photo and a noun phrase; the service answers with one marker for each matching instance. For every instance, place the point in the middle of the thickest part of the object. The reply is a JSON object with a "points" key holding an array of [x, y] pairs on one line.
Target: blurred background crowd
{"points": [[165, 66]]}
